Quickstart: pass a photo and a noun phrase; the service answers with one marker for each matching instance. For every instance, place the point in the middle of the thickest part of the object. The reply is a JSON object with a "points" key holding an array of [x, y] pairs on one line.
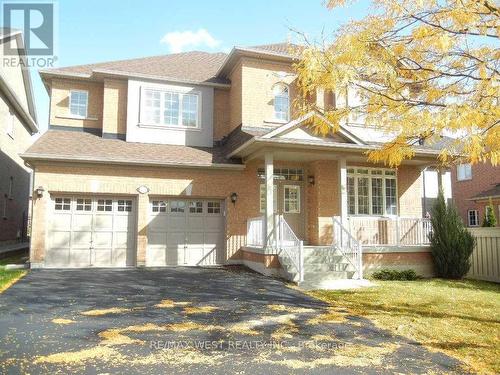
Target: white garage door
{"points": [[91, 231], [185, 232]]}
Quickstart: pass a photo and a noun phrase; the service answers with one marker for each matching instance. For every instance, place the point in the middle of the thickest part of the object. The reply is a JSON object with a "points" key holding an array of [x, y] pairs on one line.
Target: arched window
{"points": [[281, 102]]}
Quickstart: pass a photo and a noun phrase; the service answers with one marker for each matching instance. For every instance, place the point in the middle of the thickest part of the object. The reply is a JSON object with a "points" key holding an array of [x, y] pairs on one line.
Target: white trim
{"points": [[73, 117], [298, 189], [297, 122], [477, 218], [71, 91], [283, 88], [162, 124], [466, 177]]}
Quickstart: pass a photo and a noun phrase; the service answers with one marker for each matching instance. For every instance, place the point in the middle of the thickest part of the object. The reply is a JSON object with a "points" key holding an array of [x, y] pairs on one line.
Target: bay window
{"points": [[371, 191], [168, 108]]}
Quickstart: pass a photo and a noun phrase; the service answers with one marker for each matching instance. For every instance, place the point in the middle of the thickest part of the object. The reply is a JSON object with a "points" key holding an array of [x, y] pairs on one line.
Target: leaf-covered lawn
{"points": [[460, 318]]}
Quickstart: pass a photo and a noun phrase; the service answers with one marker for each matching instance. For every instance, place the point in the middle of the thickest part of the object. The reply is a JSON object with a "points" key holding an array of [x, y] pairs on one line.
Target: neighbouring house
{"points": [[201, 159], [17, 126], [474, 188]]}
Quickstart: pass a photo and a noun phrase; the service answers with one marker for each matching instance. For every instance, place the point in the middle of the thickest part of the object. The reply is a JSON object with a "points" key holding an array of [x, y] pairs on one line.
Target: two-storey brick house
{"points": [[475, 187], [200, 159]]}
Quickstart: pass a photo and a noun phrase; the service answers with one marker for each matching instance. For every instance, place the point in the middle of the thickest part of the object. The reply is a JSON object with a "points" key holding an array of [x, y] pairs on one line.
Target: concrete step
{"points": [[325, 267]]}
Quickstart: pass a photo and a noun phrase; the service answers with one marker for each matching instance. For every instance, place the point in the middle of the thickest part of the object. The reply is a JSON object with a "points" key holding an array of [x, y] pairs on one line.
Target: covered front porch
{"points": [[316, 207]]}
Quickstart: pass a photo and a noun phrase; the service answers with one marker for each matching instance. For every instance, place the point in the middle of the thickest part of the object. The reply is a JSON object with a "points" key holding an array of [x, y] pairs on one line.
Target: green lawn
{"points": [[460, 318], [9, 277]]}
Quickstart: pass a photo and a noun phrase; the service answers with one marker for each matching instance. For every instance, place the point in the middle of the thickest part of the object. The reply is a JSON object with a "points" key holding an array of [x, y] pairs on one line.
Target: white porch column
{"points": [[343, 191], [270, 223], [440, 179]]}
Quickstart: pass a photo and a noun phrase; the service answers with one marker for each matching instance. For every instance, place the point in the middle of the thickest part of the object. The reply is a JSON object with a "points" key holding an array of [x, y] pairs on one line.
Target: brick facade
{"points": [[114, 113], [484, 177]]}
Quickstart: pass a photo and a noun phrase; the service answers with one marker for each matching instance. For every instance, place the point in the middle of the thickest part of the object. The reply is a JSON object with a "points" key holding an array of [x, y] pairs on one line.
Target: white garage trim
{"points": [[91, 231], [188, 232]]}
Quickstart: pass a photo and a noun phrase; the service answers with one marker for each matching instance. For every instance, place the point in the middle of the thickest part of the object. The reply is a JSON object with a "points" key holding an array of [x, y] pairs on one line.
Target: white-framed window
{"points": [[473, 218], [213, 207], [177, 206], [84, 204], [124, 205], [159, 206], [281, 102], [195, 207], [287, 174], [291, 199], [169, 108], [263, 198], [105, 205], [372, 191], [78, 103], [63, 204], [464, 172]]}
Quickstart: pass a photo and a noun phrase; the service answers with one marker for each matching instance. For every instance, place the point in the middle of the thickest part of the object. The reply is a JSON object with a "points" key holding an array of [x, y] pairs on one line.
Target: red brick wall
{"points": [[484, 177]]}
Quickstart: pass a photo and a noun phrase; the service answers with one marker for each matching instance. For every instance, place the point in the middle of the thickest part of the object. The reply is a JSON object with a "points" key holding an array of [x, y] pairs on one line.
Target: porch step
{"points": [[314, 277]]}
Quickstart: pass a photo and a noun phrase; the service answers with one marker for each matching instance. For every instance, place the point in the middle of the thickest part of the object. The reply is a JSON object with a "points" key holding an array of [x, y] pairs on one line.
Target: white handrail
{"points": [[291, 246], [349, 247]]}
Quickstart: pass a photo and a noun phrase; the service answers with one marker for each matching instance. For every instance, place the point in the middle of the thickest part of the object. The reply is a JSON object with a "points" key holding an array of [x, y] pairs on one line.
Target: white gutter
{"points": [[47, 157]]}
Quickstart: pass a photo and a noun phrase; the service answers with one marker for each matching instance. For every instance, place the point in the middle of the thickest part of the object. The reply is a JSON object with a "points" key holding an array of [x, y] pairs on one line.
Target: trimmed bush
{"points": [[451, 242], [490, 220], [388, 274]]}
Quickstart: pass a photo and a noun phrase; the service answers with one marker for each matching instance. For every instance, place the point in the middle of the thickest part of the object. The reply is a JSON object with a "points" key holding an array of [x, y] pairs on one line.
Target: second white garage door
{"points": [[185, 232]]}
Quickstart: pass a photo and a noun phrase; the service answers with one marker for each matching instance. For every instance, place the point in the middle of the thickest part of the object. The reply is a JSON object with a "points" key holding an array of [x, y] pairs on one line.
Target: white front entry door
{"points": [[186, 232], [91, 231]]}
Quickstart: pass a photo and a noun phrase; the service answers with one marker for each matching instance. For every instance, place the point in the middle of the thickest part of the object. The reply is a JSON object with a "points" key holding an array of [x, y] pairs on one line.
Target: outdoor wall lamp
{"points": [[310, 179], [39, 191], [234, 197]]}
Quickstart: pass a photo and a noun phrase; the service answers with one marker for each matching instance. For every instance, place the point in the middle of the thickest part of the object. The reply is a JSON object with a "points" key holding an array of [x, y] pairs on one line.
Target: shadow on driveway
{"points": [[190, 320]]}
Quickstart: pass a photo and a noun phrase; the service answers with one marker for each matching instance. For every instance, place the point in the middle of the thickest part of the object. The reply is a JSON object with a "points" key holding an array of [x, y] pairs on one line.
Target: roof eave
{"points": [[226, 66], [73, 159]]}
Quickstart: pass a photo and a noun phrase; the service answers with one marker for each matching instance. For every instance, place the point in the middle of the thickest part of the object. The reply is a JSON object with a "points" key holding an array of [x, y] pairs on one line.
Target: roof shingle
{"points": [[73, 145]]}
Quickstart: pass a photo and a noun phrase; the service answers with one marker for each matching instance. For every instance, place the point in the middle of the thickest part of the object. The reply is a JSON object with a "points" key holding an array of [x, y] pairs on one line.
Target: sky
{"points": [[90, 31]]}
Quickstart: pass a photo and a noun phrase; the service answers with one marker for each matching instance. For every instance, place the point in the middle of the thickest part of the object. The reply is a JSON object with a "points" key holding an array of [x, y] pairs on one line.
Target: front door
{"points": [[291, 205]]}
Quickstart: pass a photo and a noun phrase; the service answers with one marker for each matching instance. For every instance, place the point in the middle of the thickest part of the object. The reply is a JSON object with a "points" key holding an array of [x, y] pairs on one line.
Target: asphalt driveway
{"points": [[190, 320]]}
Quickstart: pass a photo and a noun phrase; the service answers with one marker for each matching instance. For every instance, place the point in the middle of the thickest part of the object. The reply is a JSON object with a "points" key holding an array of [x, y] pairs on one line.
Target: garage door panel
{"points": [[192, 237], [82, 234], [81, 239], [80, 258], [103, 239], [82, 222], [103, 222], [61, 222], [102, 257], [158, 223], [57, 257], [60, 240], [122, 222], [195, 223]]}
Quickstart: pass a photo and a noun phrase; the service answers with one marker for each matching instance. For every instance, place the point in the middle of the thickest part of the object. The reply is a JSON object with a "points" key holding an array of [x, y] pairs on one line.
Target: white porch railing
{"points": [[256, 232], [398, 231], [348, 246], [290, 246]]}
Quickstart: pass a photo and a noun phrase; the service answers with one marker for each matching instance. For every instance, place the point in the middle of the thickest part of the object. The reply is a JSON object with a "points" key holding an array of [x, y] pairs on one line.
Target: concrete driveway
{"points": [[189, 320]]}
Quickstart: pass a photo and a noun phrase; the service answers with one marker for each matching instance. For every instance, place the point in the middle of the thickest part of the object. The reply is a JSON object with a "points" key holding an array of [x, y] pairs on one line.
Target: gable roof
{"points": [[76, 146], [196, 67], [190, 67], [300, 122]]}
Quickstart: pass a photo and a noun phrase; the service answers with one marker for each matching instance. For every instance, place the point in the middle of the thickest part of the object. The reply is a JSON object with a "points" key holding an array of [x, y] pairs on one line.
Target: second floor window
{"points": [[464, 172], [78, 103], [169, 108], [281, 102]]}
